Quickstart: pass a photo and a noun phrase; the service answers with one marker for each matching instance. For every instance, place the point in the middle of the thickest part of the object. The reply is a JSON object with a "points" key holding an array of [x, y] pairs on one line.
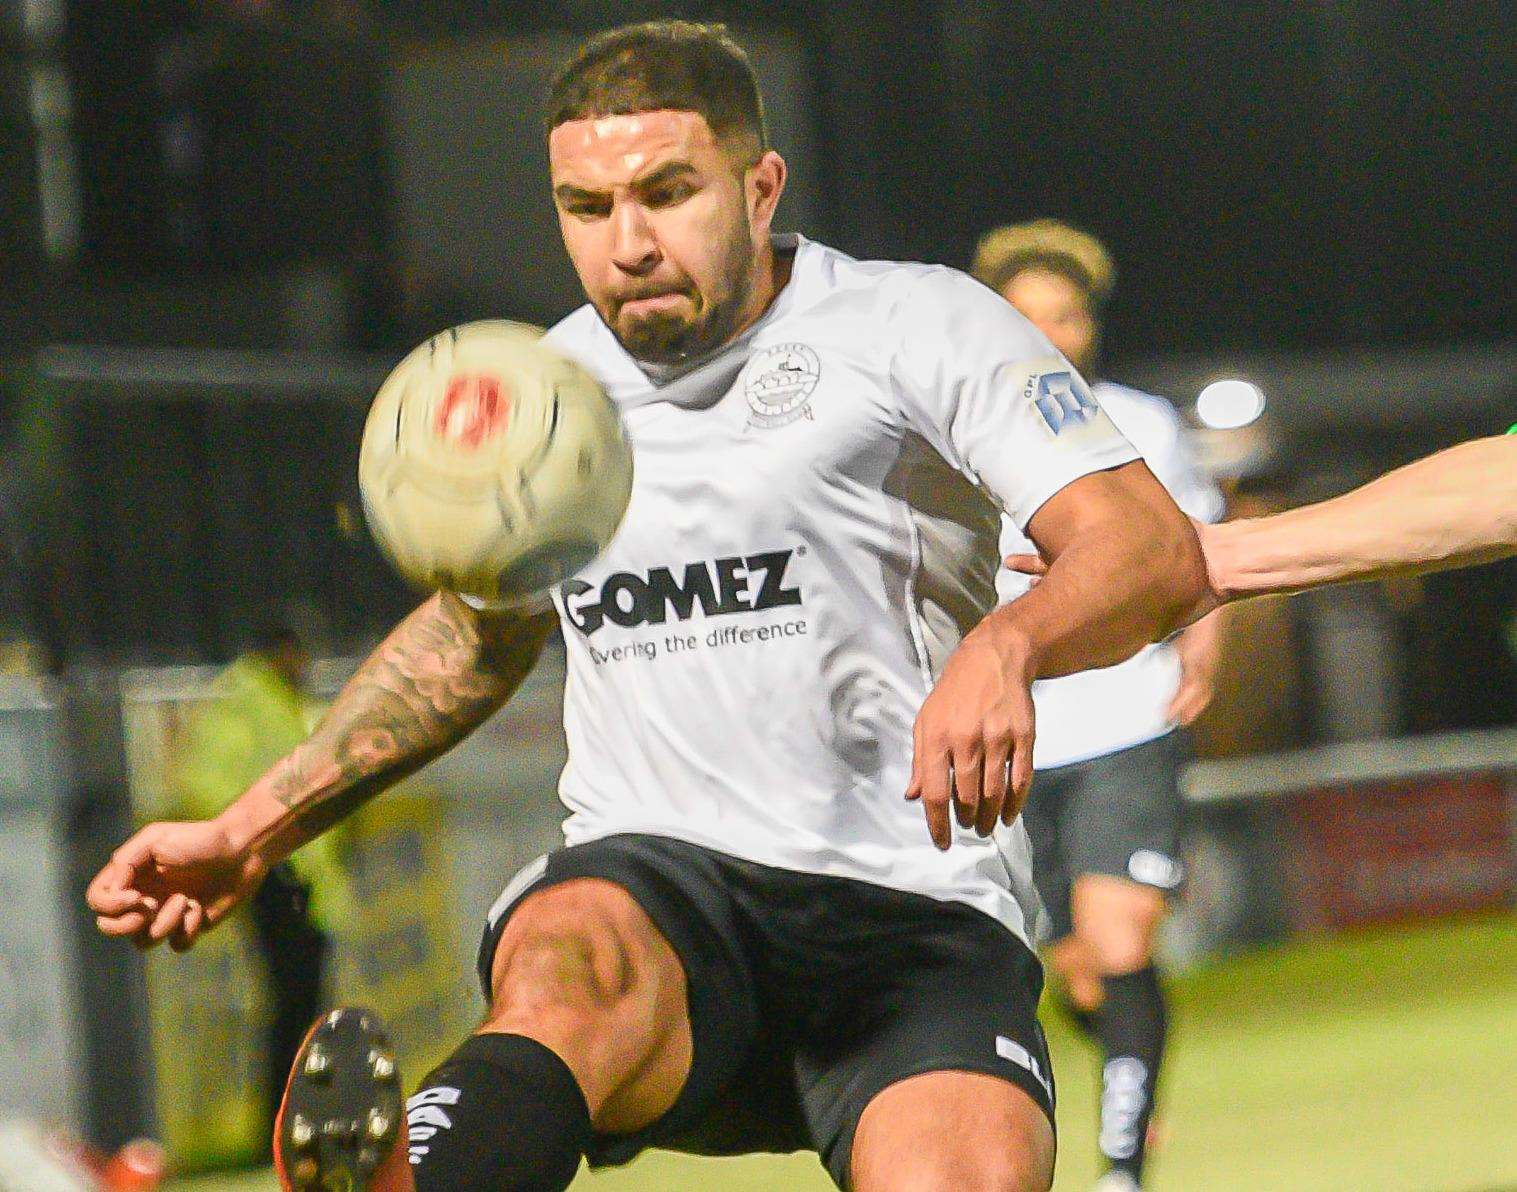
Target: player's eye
{"points": [[668, 194], [587, 208]]}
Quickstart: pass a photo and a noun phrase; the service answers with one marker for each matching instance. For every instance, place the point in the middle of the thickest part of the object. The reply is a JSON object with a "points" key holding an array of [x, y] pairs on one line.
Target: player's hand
{"points": [[972, 743], [1192, 697], [1199, 650], [173, 881]]}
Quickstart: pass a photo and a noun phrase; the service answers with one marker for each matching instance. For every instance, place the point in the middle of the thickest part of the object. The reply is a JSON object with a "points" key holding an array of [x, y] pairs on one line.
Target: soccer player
{"points": [[1104, 813], [1455, 508], [794, 714]]}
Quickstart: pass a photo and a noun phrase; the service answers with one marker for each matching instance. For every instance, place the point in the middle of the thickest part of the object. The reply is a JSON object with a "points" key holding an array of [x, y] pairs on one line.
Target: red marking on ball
{"points": [[474, 408]]}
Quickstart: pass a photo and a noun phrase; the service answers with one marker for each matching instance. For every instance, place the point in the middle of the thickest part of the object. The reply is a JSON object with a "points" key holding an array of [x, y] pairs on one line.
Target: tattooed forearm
{"points": [[433, 680]]}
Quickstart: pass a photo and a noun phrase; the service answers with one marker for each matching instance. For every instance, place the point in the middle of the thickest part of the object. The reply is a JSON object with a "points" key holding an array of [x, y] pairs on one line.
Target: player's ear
{"points": [[764, 183]]}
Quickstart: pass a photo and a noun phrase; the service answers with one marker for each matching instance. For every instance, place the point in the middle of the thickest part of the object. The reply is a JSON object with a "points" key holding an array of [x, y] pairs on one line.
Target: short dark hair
{"points": [[681, 66]]}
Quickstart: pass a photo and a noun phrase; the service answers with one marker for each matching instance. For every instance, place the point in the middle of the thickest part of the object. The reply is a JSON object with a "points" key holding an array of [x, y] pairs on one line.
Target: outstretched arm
{"points": [[1452, 509], [439, 675]]}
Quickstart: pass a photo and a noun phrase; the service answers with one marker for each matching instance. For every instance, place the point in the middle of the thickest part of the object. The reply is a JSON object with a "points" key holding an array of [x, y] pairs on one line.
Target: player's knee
{"points": [[562, 952], [582, 970], [1070, 958], [563, 966], [1116, 921], [1078, 972]]}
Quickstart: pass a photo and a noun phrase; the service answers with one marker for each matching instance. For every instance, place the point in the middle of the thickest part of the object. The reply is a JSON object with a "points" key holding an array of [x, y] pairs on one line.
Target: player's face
{"points": [[1060, 310], [665, 227]]}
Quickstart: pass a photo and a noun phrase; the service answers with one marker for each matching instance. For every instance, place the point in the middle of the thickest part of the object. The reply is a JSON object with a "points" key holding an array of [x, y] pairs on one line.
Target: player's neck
{"points": [[772, 273]]}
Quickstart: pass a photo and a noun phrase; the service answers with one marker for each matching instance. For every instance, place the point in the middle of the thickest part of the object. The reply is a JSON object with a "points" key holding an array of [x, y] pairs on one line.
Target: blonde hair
{"points": [[1045, 244]]}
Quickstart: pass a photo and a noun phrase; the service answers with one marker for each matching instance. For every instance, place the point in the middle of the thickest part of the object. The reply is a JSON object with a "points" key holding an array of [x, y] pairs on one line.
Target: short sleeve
{"points": [[991, 394]]}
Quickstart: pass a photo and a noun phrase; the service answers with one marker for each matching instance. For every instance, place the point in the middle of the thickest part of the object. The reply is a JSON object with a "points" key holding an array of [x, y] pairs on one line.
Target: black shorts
{"points": [[1119, 815], [808, 995]]}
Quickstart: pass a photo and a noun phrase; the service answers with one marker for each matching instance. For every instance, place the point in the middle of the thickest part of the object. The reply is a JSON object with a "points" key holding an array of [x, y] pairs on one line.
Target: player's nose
{"points": [[634, 247]]}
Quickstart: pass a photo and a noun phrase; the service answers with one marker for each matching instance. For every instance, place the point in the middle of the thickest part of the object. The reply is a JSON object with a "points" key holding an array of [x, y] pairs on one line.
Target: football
{"points": [[491, 466]]}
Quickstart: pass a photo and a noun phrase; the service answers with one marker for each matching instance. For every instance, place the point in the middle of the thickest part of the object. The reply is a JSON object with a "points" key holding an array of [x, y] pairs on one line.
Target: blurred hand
{"points": [[173, 881], [1199, 651], [972, 743]]}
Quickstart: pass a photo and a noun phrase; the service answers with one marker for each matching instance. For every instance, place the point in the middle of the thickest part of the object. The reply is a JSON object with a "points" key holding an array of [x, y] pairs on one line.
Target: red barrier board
{"points": [[1371, 852]]}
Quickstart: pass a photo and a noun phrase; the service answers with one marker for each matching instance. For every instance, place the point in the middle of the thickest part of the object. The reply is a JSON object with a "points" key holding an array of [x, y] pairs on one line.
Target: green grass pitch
{"points": [[1383, 1060]]}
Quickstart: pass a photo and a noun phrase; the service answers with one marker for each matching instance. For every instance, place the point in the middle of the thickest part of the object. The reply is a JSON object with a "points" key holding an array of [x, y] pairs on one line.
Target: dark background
{"points": [[1267, 175]]}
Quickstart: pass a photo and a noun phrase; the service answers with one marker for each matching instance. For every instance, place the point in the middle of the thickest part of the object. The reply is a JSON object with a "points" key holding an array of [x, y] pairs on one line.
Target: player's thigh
{"points": [[1115, 920], [581, 967], [953, 1132], [946, 990]]}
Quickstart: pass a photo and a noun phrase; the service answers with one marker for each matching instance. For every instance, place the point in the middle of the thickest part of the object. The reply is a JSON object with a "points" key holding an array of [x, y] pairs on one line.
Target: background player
{"points": [[259, 712], [750, 942], [1104, 814]]}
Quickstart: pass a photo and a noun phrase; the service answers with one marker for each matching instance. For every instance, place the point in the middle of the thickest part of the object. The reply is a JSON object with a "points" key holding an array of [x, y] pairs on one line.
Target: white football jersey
{"points": [[811, 532], [1101, 711]]}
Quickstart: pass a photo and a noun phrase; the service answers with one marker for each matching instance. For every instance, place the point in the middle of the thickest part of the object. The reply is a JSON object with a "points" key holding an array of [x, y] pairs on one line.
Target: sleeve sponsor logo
{"points": [[1061, 398]]}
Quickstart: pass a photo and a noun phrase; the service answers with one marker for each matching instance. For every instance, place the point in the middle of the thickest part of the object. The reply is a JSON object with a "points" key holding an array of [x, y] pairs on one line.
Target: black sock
{"points": [[502, 1114], [1131, 1026]]}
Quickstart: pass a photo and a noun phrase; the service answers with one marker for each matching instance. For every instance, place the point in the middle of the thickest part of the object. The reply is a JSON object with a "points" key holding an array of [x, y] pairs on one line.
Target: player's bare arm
{"points": [[439, 675], [1125, 568], [1453, 509], [435, 679]]}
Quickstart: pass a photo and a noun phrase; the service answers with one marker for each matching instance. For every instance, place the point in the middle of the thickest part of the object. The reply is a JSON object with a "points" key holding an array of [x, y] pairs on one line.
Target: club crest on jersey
{"points": [[778, 383], [1061, 398]]}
